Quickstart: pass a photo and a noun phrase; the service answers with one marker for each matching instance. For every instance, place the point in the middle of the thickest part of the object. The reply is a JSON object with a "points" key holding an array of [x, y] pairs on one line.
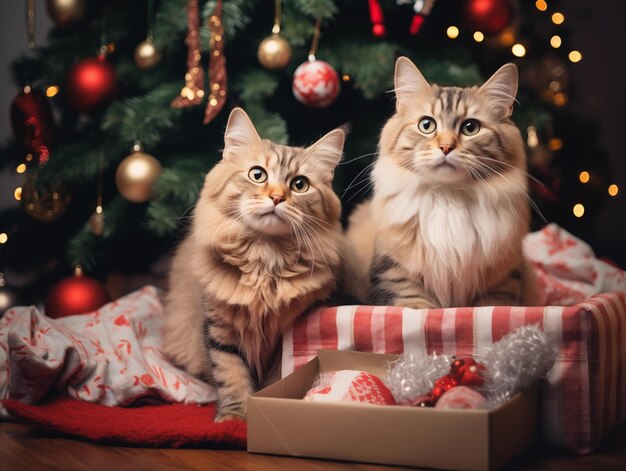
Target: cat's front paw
{"points": [[224, 415]]}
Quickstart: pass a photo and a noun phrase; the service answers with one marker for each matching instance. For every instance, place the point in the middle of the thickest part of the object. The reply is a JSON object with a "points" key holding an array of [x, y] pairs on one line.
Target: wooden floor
{"points": [[24, 449]]}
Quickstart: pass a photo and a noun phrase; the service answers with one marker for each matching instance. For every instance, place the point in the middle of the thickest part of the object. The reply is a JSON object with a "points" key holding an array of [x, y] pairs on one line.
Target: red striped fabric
{"points": [[584, 397]]}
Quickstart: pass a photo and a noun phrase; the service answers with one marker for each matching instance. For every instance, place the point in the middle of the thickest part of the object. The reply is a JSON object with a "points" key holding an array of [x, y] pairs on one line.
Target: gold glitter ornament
{"points": [[136, 176], [146, 54], [274, 52]]}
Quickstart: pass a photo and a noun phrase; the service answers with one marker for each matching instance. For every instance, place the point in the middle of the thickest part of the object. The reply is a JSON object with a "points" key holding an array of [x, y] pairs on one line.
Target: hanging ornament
{"points": [[91, 84], [77, 294], [217, 66], [421, 9], [33, 124], [274, 51], [146, 54], [44, 203], [8, 296], [66, 12], [315, 82], [377, 19], [488, 16], [193, 91], [137, 174], [96, 220], [30, 23]]}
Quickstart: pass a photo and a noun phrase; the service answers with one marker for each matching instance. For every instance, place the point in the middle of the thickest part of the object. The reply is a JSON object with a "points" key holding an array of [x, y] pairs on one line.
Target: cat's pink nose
{"points": [[277, 199], [446, 148]]}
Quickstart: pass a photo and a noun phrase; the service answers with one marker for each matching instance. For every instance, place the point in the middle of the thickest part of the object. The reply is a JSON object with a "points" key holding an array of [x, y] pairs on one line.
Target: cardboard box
{"points": [[279, 422]]}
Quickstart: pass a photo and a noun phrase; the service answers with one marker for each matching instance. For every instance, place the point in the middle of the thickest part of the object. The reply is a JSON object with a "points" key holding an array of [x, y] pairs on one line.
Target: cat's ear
{"points": [[328, 149], [501, 89], [408, 82], [240, 134]]}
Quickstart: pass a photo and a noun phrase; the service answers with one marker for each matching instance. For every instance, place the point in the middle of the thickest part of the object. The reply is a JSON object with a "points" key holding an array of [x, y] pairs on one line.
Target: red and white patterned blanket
{"points": [[111, 356]]}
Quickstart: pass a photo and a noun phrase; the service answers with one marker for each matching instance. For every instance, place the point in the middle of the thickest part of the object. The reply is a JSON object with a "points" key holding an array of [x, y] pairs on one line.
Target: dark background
{"points": [[596, 91]]}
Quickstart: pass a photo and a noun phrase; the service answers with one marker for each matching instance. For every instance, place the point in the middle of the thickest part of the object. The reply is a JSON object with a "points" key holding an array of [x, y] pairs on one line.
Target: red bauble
{"points": [[488, 16], [75, 295], [33, 124], [315, 84], [442, 385], [468, 372], [91, 85]]}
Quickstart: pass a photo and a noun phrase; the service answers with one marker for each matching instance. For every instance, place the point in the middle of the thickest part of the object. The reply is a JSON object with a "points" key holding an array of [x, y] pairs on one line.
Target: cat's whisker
{"points": [[365, 169], [363, 189], [357, 158], [533, 178]]}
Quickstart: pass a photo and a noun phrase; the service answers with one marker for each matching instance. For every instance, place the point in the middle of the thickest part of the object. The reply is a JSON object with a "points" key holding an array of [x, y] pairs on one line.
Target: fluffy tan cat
{"points": [[450, 207], [263, 247]]}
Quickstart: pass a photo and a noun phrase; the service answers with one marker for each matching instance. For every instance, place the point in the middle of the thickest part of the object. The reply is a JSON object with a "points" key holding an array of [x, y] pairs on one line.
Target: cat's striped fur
{"points": [[258, 255], [449, 210]]}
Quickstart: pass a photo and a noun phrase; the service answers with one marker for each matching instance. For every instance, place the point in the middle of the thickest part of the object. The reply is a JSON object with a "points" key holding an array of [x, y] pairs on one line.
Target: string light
{"points": [[3, 238], [29, 157], [518, 50], [452, 32], [21, 168], [541, 5], [345, 78], [52, 90], [613, 190], [479, 37], [558, 18], [507, 37], [555, 144], [578, 210], [575, 56], [560, 99], [555, 41], [532, 140], [583, 177], [17, 194]]}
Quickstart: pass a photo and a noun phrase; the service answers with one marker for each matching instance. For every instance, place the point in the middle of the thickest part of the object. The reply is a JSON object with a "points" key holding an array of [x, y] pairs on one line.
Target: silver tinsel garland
{"points": [[512, 364]]}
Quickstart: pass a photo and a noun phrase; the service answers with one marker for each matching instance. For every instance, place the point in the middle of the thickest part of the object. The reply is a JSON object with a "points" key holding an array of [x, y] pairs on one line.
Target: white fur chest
{"points": [[450, 239]]}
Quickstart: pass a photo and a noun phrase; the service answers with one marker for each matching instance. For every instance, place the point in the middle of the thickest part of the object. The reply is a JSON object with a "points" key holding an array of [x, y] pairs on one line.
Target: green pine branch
{"points": [[324, 9], [145, 118]]}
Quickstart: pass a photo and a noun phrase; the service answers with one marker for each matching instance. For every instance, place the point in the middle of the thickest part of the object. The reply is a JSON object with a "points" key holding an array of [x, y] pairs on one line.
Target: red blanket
{"points": [[172, 425]]}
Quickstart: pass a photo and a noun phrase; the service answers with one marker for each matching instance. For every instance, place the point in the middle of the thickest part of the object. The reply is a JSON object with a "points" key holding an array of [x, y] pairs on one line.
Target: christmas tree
{"points": [[110, 130]]}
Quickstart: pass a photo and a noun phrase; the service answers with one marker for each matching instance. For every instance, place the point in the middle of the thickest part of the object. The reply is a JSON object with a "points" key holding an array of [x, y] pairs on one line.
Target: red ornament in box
{"points": [[91, 84], [78, 294], [315, 84], [488, 16], [32, 123]]}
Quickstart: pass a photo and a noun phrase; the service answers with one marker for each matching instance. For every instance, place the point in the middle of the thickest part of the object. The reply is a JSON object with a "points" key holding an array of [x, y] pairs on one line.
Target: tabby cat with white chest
{"points": [[450, 206], [263, 247]]}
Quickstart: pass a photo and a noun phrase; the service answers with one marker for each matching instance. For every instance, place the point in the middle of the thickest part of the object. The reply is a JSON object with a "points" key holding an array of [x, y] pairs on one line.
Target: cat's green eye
{"points": [[257, 174], [470, 127], [427, 125], [300, 184]]}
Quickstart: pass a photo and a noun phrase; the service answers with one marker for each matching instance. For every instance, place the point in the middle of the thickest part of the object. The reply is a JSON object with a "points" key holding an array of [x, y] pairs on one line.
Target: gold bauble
{"points": [[44, 204], [146, 55], [65, 12], [274, 52], [136, 176]]}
